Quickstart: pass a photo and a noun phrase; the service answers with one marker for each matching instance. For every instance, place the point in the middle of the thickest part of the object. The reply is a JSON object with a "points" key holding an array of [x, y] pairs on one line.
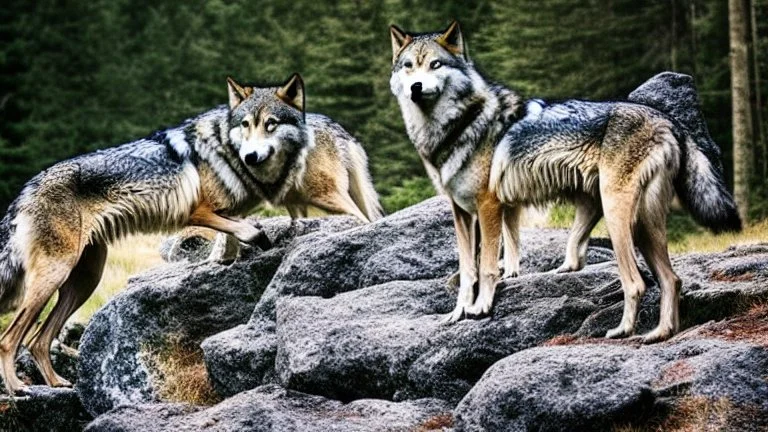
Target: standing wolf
{"points": [[205, 172], [492, 155]]}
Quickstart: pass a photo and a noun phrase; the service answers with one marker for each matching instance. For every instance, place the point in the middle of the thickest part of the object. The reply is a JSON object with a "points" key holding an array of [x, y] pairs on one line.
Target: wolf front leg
{"points": [[511, 233], [243, 231], [489, 216], [463, 223]]}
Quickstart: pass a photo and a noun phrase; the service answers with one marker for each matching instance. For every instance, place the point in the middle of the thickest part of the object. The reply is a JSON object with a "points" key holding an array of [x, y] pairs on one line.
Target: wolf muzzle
{"points": [[255, 158]]}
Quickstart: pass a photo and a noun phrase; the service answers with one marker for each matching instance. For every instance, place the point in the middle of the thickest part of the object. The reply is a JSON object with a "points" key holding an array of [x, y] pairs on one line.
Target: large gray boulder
{"points": [[177, 303], [274, 409], [326, 326], [387, 340], [675, 94], [596, 386], [402, 260]]}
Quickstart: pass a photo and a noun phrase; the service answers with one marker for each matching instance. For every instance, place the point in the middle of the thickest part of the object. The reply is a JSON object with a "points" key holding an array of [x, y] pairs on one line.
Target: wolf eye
{"points": [[270, 125], [408, 64], [244, 123], [435, 64]]}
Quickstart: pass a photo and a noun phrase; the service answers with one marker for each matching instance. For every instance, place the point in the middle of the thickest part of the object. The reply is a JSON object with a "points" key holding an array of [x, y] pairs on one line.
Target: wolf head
{"points": [[428, 67], [267, 126]]}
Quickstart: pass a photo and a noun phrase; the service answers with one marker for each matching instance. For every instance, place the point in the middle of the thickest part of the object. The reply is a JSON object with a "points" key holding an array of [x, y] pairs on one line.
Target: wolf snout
{"points": [[416, 89], [256, 158]]}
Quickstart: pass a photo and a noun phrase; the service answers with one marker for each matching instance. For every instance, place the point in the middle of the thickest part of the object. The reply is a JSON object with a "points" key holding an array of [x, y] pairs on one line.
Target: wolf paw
{"points": [[256, 237], [657, 335], [568, 268], [60, 382], [510, 274], [458, 313], [482, 306], [619, 332], [18, 388]]}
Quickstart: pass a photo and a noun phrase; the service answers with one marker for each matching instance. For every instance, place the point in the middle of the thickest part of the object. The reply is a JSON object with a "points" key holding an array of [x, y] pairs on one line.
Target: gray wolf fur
{"points": [[201, 173], [492, 154]]}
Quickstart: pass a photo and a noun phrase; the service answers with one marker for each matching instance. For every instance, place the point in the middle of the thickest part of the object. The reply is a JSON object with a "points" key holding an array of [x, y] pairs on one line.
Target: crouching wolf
{"points": [[205, 172], [492, 154]]}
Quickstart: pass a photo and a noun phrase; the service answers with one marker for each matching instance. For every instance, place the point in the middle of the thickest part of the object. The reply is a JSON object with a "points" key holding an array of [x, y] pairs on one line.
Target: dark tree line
{"points": [[78, 75]]}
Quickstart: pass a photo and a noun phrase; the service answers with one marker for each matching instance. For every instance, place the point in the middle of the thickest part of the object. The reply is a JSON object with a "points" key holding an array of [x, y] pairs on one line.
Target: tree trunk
{"points": [[738, 24], [760, 130]]}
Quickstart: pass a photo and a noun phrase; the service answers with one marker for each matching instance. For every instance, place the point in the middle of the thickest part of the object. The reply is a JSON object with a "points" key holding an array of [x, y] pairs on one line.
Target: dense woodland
{"points": [[79, 75]]}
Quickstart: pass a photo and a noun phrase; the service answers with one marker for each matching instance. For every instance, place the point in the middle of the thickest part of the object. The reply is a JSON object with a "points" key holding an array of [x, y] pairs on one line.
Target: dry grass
{"points": [[180, 374], [678, 372], [708, 242], [436, 423], [569, 339], [697, 240], [125, 259], [749, 327]]}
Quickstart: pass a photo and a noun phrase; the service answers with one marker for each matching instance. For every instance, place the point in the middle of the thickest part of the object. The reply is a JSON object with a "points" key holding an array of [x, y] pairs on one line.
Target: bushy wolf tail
{"points": [[700, 184], [11, 272], [360, 185]]}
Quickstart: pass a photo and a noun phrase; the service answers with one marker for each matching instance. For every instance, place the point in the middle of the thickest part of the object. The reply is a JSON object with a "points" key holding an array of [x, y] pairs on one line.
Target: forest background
{"points": [[80, 75]]}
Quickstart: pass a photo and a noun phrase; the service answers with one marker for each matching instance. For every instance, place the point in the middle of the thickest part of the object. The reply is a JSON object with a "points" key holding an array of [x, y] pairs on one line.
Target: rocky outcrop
{"points": [[180, 304], [272, 408], [355, 313], [391, 273]]}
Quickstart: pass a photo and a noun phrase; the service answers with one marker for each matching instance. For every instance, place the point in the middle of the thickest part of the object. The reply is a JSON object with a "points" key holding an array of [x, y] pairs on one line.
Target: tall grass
{"points": [[126, 258], [684, 235]]}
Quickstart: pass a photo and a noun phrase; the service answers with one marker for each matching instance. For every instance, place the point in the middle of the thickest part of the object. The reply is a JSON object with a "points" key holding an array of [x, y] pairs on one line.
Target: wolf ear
{"points": [[453, 40], [399, 41], [237, 93], [292, 92]]}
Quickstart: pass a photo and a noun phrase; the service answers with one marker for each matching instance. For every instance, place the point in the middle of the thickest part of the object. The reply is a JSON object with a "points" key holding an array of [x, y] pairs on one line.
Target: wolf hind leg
{"points": [[43, 277], [651, 238], [588, 213], [78, 287], [619, 207]]}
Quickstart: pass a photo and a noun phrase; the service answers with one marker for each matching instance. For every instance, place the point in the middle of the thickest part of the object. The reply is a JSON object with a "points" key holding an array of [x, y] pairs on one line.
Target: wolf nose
{"points": [[254, 158], [416, 91], [251, 159]]}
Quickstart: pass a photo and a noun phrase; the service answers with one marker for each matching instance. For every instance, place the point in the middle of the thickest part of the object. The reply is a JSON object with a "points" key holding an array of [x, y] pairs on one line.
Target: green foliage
{"points": [[561, 216], [412, 191], [81, 75]]}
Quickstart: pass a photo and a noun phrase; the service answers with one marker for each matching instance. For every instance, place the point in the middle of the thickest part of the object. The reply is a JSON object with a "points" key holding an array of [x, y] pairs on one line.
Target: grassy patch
{"points": [[705, 241], [750, 326], [179, 372], [684, 235], [125, 259]]}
